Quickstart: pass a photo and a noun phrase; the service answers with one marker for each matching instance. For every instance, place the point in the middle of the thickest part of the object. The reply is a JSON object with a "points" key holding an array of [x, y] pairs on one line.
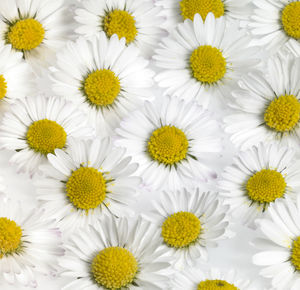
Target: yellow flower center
{"points": [[295, 257], [207, 64], [181, 229], [25, 34], [266, 186], [44, 136], [10, 237], [114, 268], [101, 87], [121, 23], [168, 145], [190, 7], [216, 285], [3, 87], [283, 113], [290, 18], [86, 188]]}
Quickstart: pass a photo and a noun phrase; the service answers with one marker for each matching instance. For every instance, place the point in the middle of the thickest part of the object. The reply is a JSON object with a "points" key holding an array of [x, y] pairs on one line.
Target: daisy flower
{"points": [[213, 280], [37, 126], [172, 140], [35, 28], [276, 24], [189, 222], [267, 105], [28, 243], [280, 250], [179, 10], [88, 180], [202, 59], [104, 77], [137, 21], [257, 178], [94, 254]]}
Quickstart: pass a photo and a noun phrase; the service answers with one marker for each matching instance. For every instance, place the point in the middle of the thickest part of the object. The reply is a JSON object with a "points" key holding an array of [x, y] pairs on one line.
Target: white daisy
{"points": [[35, 28], [173, 142], [37, 126], [280, 250], [268, 105], [137, 21], [104, 77], [189, 222], [257, 178], [28, 243], [88, 180], [94, 254], [202, 59], [215, 279], [276, 24], [179, 10]]}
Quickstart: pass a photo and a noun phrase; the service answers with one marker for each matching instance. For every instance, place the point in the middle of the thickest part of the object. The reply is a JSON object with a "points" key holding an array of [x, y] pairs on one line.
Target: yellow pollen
{"points": [[266, 186], [10, 237], [114, 268], [283, 113], [168, 145], [290, 18], [181, 229], [86, 188], [121, 23], [295, 256], [101, 87], [216, 285], [190, 7], [3, 87], [44, 136], [207, 64], [25, 34]]}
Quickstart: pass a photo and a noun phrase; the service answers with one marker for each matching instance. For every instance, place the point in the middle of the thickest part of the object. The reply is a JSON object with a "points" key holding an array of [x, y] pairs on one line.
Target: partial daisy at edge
{"points": [[202, 61], [257, 178], [266, 107], [94, 253], [177, 11], [104, 78], [30, 244], [275, 25], [279, 249], [37, 29], [87, 181], [173, 141], [193, 278], [36, 126], [190, 222], [138, 21]]}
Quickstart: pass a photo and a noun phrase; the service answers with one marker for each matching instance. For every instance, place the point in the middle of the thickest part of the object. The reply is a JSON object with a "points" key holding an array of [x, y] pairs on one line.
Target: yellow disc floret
{"points": [[283, 113], [168, 145], [86, 188], [10, 237], [207, 64], [290, 19], [101, 87], [25, 34], [121, 23], [190, 7], [3, 87], [181, 229], [114, 268], [266, 186], [295, 257], [44, 136], [216, 285]]}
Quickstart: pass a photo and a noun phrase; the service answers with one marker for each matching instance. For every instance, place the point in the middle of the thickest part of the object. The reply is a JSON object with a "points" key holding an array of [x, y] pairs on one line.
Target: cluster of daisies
{"points": [[137, 94]]}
